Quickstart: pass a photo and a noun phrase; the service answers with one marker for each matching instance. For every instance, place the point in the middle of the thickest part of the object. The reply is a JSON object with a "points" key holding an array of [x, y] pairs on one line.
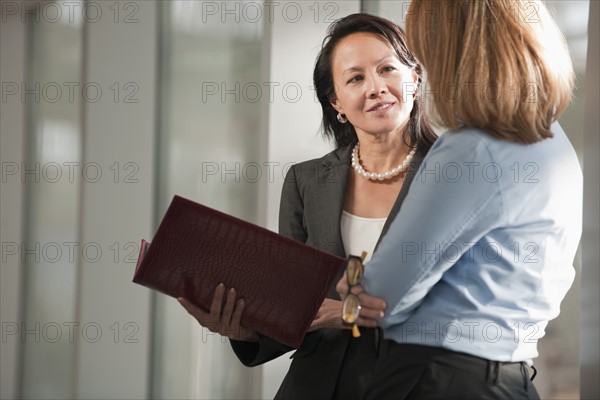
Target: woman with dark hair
{"points": [[367, 83]]}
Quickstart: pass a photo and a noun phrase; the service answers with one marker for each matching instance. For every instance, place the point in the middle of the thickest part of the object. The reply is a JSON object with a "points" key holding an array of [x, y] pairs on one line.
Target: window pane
{"points": [[209, 140], [51, 250]]}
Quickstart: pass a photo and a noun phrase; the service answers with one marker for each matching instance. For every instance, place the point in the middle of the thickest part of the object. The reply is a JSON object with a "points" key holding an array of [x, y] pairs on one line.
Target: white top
{"points": [[360, 234]]}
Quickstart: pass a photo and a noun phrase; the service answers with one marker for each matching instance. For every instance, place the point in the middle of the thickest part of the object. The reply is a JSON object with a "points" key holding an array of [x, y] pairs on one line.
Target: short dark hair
{"points": [[419, 133]]}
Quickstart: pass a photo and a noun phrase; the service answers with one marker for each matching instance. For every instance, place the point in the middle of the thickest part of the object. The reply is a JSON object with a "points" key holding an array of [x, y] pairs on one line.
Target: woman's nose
{"points": [[377, 86]]}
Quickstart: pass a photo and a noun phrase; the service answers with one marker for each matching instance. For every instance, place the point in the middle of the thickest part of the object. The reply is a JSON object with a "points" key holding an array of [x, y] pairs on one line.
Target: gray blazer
{"points": [[312, 201]]}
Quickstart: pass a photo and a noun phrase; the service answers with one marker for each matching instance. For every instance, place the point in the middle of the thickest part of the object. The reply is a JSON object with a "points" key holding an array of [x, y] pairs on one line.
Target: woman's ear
{"points": [[335, 104], [416, 81]]}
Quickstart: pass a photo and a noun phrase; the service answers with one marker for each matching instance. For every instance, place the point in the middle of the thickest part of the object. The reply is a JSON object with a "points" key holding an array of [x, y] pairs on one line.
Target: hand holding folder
{"points": [[282, 281], [224, 316]]}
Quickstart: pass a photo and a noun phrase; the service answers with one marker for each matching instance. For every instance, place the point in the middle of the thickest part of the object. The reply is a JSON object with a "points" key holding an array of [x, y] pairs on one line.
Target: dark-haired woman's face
{"points": [[373, 88]]}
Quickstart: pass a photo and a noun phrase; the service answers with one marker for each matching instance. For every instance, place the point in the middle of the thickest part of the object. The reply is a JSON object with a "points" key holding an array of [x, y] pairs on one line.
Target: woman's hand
{"points": [[224, 320], [372, 308], [328, 316]]}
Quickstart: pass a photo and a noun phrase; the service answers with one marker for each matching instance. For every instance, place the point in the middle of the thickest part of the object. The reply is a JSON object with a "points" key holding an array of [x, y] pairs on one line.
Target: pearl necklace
{"points": [[386, 175]]}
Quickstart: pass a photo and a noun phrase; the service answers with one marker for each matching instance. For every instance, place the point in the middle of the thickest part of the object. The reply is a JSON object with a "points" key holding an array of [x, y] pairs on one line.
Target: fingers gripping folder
{"points": [[282, 281]]}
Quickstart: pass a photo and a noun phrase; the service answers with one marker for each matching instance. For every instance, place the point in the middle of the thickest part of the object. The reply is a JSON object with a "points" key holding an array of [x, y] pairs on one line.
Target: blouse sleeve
{"points": [[454, 199]]}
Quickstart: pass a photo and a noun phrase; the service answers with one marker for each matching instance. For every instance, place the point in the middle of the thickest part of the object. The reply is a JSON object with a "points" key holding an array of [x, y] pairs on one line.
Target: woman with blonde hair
{"points": [[480, 256]]}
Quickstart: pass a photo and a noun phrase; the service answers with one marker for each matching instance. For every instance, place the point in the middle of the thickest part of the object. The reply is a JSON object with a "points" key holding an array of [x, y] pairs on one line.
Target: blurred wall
{"points": [[78, 108], [590, 287], [12, 142]]}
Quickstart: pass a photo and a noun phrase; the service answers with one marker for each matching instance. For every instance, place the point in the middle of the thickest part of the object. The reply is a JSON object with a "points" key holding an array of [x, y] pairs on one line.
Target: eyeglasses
{"points": [[351, 305]]}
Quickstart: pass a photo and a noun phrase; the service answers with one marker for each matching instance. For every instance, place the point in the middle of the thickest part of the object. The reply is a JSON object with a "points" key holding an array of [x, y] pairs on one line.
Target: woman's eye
{"points": [[388, 69], [355, 79]]}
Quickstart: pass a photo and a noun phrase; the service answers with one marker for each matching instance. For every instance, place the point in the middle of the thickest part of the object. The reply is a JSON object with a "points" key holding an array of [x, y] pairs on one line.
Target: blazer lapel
{"points": [[333, 192], [333, 187], [335, 179]]}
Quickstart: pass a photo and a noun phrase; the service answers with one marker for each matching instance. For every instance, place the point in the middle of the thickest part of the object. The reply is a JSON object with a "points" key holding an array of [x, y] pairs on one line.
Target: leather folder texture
{"points": [[282, 281]]}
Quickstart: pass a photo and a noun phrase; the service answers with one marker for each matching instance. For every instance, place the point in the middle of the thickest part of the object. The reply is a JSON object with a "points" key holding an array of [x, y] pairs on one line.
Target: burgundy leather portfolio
{"points": [[282, 281]]}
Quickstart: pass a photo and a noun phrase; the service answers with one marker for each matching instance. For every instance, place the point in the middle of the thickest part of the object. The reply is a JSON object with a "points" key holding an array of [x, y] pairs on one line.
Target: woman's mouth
{"points": [[380, 108]]}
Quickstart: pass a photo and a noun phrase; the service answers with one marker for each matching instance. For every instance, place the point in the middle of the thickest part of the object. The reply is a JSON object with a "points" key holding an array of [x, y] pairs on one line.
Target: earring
{"points": [[342, 118]]}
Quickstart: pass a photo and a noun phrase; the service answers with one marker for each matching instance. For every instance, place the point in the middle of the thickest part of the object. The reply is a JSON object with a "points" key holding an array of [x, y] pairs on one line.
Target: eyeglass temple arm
{"points": [[355, 330]]}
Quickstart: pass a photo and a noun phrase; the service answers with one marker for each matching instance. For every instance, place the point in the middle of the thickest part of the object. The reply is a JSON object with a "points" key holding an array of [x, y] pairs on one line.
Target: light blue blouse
{"points": [[480, 255]]}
